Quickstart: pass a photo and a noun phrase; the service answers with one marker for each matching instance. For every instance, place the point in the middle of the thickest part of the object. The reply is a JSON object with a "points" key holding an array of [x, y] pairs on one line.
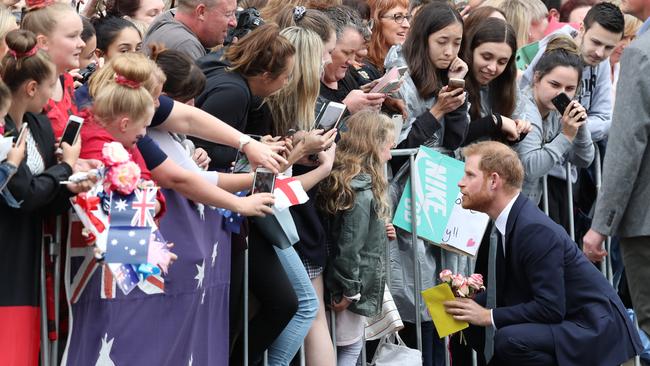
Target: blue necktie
{"points": [[491, 300]]}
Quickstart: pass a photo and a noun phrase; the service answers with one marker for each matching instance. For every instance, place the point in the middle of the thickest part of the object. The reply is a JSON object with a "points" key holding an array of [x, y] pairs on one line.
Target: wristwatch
{"points": [[244, 139]]}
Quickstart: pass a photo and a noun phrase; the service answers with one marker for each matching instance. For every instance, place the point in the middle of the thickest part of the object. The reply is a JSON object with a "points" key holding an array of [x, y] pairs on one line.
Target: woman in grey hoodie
{"points": [[556, 137]]}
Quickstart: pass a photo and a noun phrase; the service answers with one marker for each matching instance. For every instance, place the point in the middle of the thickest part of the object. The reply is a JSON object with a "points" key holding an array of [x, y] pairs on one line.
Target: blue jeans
{"points": [[285, 347]]}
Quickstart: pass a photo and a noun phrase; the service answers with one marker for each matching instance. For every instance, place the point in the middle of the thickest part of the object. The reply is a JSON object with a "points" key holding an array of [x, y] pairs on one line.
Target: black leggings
{"points": [[270, 285]]}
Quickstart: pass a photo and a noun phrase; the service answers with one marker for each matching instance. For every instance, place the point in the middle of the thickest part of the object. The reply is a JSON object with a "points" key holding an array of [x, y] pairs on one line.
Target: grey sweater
{"points": [[546, 146]]}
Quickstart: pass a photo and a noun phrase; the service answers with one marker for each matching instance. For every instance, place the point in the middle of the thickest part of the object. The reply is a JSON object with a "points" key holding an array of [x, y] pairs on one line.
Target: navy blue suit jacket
{"points": [[545, 278]]}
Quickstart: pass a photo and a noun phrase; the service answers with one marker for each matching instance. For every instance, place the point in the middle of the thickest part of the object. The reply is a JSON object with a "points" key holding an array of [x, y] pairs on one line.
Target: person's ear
{"points": [[124, 123], [30, 88], [495, 179], [554, 14], [42, 42], [99, 53], [200, 11]]}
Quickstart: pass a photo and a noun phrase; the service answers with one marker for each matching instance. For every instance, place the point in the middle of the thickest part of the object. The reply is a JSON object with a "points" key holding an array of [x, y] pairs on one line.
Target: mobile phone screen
{"points": [[241, 164], [330, 116], [264, 181], [72, 130]]}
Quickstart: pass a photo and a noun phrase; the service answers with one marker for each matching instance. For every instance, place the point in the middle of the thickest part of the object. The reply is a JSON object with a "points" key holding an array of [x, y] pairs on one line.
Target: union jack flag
{"points": [[144, 205], [81, 263]]}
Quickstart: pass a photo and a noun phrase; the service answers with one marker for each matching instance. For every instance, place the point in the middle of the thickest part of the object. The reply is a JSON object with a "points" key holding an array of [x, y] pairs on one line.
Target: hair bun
{"points": [[562, 43], [130, 68], [21, 43]]}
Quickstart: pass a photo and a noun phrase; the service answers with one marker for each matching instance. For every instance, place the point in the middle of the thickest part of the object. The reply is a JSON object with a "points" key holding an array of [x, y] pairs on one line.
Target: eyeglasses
{"points": [[399, 18]]}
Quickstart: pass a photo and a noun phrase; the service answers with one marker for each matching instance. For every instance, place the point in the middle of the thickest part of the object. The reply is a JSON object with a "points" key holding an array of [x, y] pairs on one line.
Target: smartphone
{"points": [[561, 102], [454, 84], [72, 129], [402, 70], [23, 134], [241, 163], [330, 116], [264, 181]]}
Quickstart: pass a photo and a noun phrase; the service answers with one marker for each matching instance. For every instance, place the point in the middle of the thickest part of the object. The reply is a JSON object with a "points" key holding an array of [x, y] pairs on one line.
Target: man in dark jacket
{"points": [[552, 306]]}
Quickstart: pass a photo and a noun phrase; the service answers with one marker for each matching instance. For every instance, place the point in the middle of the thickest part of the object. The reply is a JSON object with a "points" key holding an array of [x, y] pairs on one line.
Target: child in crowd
{"points": [[58, 28], [30, 76], [16, 154], [354, 200]]}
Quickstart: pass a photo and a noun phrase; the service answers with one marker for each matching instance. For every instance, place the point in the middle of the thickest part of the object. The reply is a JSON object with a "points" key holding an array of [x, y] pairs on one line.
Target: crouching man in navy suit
{"points": [[550, 305]]}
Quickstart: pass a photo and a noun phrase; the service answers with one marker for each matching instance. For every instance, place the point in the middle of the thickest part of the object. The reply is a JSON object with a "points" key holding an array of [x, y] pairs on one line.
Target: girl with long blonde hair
{"points": [[354, 200]]}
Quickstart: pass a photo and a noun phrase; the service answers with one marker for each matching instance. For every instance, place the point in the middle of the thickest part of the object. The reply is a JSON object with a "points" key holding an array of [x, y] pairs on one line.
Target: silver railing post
{"points": [[569, 188], [416, 257], [45, 346], [55, 253], [245, 324], [545, 194]]}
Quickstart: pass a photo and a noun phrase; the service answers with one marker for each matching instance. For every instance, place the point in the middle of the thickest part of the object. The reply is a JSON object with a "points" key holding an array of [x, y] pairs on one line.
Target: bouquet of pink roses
{"points": [[463, 286]]}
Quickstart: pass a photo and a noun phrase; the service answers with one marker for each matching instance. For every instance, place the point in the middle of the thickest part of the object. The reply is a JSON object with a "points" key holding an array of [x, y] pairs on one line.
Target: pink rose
{"points": [[124, 177], [114, 153], [457, 281], [463, 289], [445, 275]]}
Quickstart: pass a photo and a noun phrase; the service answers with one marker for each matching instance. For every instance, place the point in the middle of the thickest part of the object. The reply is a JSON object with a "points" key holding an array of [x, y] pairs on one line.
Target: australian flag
{"points": [[131, 225], [185, 325]]}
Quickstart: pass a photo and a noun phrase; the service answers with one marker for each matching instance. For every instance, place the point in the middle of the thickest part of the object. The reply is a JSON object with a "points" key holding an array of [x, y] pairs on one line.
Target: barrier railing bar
{"points": [[414, 243], [569, 188], [45, 347], [545, 194], [404, 152], [245, 324], [55, 252]]}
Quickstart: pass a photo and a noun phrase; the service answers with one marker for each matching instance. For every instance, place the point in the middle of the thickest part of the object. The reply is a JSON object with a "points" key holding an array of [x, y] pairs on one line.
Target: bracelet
{"points": [[496, 117]]}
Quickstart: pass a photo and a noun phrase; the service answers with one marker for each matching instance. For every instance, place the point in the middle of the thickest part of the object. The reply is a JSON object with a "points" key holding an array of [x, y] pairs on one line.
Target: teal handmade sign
{"points": [[439, 215]]}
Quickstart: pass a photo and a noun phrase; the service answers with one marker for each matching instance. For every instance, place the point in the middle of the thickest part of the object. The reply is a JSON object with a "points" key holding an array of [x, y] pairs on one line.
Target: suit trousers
{"points": [[527, 344], [636, 258]]}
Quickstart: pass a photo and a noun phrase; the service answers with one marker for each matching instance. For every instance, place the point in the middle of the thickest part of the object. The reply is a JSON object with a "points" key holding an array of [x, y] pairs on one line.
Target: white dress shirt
{"points": [[500, 223]]}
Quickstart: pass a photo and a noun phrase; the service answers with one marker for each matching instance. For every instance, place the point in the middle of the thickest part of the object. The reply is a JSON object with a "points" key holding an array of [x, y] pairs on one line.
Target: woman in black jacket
{"points": [[31, 77], [258, 65]]}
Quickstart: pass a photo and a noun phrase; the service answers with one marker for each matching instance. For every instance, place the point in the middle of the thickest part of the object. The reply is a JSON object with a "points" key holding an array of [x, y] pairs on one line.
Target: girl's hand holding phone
{"points": [[17, 152], [574, 117], [447, 101], [316, 141], [70, 154], [258, 204]]}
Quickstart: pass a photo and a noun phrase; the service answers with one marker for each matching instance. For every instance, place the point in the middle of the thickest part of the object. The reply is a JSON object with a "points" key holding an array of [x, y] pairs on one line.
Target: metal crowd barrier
{"points": [[49, 349]]}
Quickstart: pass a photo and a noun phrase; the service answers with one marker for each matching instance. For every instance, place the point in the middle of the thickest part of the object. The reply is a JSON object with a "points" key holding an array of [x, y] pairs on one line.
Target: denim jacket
{"points": [[6, 172]]}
